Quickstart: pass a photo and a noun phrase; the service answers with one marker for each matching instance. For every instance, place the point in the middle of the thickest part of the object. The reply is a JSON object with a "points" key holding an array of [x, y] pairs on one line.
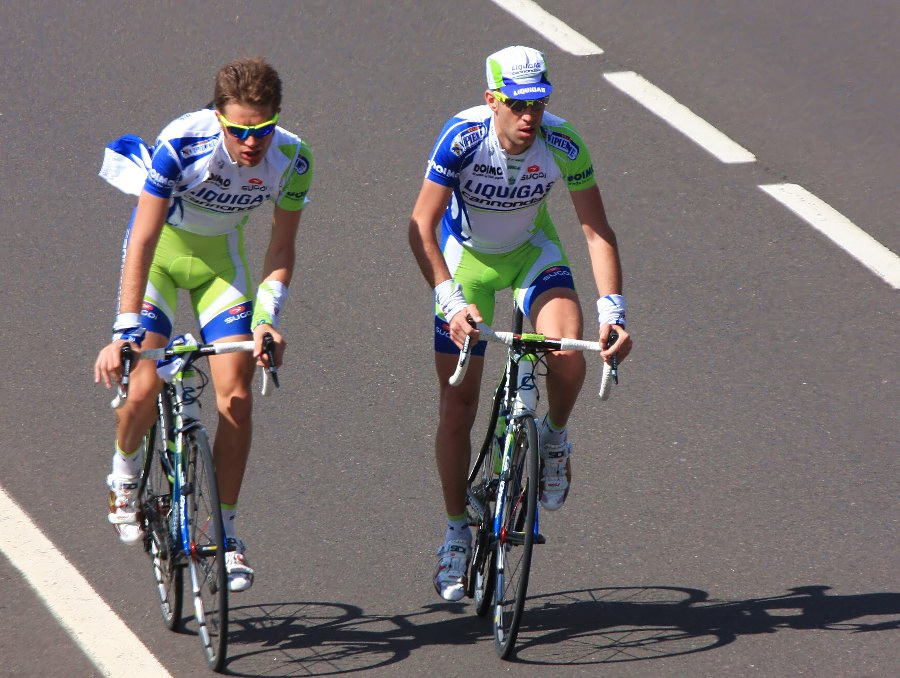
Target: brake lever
{"points": [[122, 387], [268, 344], [614, 360]]}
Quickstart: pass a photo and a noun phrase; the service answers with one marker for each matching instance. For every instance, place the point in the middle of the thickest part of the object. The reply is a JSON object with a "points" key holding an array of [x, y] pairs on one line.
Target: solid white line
{"points": [[679, 117], [843, 232], [100, 633], [549, 26]]}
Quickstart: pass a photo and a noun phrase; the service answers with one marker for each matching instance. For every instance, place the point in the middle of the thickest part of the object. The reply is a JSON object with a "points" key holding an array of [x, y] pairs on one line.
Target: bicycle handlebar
{"points": [[541, 342], [200, 349]]}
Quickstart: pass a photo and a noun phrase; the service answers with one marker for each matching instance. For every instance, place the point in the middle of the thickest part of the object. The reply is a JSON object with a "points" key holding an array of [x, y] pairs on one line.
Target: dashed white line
{"points": [[843, 232], [100, 633], [680, 117], [560, 34], [818, 214]]}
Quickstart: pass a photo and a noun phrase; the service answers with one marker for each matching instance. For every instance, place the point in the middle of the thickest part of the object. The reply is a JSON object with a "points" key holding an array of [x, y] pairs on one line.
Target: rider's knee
{"points": [[236, 406], [457, 411], [570, 363]]}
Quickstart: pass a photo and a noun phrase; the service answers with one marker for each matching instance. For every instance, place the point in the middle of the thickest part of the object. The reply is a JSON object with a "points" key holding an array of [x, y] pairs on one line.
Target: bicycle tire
{"points": [[483, 571], [156, 511], [518, 507], [209, 584], [480, 582], [482, 483]]}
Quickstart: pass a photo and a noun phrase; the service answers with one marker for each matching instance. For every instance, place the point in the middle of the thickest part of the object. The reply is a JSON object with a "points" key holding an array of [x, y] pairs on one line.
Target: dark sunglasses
{"points": [[521, 105], [241, 132]]}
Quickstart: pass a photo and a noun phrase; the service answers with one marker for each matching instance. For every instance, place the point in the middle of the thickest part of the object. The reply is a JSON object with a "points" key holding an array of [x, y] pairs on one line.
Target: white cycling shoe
{"points": [[240, 574], [453, 563], [124, 511], [556, 475]]}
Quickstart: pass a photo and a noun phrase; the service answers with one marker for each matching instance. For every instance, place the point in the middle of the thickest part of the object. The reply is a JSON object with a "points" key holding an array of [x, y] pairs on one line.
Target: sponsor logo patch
{"points": [[465, 140], [564, 143], [200, 148], [443, 171]]}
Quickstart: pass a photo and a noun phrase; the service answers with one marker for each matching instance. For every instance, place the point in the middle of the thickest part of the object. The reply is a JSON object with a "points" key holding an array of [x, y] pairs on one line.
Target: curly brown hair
{"points": [[248, 81]]}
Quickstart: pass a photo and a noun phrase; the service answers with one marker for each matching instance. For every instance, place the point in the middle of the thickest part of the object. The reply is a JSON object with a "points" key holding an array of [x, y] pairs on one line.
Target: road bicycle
{"points": [[502, 487], [178, 493]]}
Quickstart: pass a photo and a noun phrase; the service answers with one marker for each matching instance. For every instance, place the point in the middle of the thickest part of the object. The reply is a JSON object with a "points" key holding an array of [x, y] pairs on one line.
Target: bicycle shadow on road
{"points": [[583, 627], [322, 639], [626, 624]]}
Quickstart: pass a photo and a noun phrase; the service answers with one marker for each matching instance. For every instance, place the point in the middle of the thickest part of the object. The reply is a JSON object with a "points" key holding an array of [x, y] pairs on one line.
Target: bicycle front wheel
{"points": [[207, 549], [156, 511], [517, 507]]}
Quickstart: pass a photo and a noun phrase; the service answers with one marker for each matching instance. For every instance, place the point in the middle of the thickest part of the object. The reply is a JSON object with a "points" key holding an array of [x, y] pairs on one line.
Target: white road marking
{"points": [[843, 232], [680, 117], [549, 26], [100, 633], [818, 214]]}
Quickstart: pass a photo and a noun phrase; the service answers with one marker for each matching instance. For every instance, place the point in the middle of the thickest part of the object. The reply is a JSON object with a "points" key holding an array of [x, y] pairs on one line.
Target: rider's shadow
{"points": [[583, 627]]}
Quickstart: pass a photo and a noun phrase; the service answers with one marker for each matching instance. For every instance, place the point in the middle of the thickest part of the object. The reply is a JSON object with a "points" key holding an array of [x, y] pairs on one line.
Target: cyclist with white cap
{"points": [[486, 184]]}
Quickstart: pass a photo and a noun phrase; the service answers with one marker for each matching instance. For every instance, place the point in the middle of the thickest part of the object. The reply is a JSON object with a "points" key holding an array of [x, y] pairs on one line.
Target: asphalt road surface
{"points": [[734, 507]]}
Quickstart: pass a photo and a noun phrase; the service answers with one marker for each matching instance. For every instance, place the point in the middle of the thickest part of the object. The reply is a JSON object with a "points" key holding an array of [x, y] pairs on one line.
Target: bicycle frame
{"points": [[514, 410], [186, 407], [185, 418]]}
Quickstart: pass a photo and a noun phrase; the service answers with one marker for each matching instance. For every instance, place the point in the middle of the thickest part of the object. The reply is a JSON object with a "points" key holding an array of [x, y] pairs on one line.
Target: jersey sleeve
{"points": [[126, 161], [164, 173], [572, 156], [298, 178], [457, 140]]}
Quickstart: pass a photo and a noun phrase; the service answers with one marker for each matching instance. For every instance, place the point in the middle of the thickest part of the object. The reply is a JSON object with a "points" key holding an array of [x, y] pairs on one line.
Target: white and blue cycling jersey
{"points": [[201, 245], [498, 201], [210, 193]]}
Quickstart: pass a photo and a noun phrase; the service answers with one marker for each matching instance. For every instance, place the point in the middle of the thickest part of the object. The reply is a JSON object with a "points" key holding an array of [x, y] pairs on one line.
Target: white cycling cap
{"points": [[518, 72]]}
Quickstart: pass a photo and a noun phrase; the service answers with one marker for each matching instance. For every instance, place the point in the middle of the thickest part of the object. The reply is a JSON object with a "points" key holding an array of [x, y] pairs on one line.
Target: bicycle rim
{"points": [[207, 549], [518, 512], [483, 485], [482, 572], [481, 568], [156, 509]]}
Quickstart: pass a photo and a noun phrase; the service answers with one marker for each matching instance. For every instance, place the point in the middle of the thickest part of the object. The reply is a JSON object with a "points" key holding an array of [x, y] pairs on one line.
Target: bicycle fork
{"points": [[500, 534]]}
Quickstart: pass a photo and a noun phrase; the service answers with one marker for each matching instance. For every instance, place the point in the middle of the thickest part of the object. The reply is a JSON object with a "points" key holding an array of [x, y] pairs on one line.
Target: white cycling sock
{"points": [[552, 435], [458, 528], [127, 464], [229, 516]]}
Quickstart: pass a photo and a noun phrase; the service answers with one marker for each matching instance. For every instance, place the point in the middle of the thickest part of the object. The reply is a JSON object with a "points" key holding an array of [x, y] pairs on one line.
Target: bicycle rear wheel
{"points": [[482, 488], [518, 514], [481, 568], [156, 510], [207, 548]]}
